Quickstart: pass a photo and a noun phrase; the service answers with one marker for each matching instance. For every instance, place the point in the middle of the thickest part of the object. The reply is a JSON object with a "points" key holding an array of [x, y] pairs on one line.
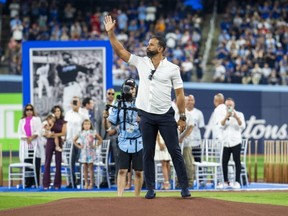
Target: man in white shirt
{"points": [[185, 139], [157, 77], [219, 111], [74, 118], [232, 124], [198, 122]]}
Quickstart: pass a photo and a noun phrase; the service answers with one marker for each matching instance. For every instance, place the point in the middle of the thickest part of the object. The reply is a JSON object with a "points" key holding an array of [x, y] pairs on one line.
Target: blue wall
{"points": [[265, 107]]}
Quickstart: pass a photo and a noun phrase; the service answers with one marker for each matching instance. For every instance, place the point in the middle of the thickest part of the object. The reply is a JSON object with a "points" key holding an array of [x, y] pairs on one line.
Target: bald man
{"points": [[219, 112], [198, 122]]}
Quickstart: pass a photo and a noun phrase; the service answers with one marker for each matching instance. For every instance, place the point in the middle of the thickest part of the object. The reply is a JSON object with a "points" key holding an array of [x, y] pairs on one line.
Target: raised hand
{"points": [[109, 23]]}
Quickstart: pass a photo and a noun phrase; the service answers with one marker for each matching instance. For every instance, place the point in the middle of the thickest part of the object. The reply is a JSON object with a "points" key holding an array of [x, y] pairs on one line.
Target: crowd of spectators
{"points": [[253, 43], [136, 22]]}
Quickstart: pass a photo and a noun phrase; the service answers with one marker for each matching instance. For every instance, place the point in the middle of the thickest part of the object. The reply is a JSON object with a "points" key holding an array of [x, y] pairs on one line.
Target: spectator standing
{"points": [[187, 67], [88, 109], [219, 110], [85, 141], [185, 140], [59, 129], [162, 155], [69, 12], [198, 123], [74, 118], [232, 125], [114, 150], [220, 71], [28, 131], [14, 8]]}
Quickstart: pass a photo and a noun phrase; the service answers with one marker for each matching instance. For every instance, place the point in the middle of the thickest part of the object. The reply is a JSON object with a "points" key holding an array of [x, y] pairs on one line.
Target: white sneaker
{"points": [[222, 185], [236, 185]]}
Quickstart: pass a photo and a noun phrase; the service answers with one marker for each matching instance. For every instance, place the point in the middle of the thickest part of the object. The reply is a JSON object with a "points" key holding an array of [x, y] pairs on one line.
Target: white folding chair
{"points": [[159, 178], [210, 167], [159, 174], [101, 165], [66, 162], [20, 171]]}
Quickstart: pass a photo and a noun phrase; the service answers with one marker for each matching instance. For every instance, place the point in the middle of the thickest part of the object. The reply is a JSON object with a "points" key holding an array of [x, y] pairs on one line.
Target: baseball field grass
{"points": [[259, 173], [21, 199], [10, 200]]}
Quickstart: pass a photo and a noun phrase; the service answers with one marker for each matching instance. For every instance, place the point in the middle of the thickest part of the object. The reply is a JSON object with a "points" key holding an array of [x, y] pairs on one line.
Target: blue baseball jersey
{"points": [[129, 137]]}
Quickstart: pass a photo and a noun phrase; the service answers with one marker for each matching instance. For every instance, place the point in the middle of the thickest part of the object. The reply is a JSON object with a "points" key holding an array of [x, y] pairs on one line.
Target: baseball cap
{"points": [[130, 82]]}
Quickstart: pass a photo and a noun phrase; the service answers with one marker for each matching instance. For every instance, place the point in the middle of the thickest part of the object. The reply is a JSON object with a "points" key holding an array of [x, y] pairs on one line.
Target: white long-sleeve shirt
{"points": [[74, 123], [35, 129], [217, 116], [232, 131]]}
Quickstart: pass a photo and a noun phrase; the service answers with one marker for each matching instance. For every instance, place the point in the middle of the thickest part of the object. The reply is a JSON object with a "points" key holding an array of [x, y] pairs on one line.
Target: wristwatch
{"points": [[182, 116]]}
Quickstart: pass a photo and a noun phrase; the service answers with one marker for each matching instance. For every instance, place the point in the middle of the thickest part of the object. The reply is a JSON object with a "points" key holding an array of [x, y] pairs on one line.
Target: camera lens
{"points": [[126, 89]]}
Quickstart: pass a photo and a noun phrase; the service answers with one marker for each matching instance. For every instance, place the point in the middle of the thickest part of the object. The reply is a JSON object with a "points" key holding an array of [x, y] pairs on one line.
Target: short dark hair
{"points": [[161, 41], [230, 99], [86, 101]]}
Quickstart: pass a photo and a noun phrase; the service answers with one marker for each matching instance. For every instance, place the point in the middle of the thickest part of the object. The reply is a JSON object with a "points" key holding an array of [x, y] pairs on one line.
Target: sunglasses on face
{"points": [[110, 93], [29, 109]]}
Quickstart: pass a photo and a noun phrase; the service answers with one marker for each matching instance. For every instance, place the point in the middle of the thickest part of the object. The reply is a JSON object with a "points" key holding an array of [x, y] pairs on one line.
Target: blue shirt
{"points": [[129, 138]]}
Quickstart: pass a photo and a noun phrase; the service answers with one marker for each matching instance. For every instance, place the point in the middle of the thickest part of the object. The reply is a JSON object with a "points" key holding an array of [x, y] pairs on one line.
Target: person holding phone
{"points": [[232, 126], [74, 118]]}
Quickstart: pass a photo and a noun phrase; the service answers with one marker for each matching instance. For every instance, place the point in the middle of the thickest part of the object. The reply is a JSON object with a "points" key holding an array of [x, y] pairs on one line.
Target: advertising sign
{"points": [[10, 114]]}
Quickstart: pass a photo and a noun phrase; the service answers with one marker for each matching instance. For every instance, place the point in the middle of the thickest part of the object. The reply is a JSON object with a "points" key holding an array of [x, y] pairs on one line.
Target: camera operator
{"points": [[122, 119]]}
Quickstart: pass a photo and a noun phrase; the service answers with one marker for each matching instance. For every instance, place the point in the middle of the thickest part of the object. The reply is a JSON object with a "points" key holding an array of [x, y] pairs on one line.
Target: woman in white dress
{"points": [[162, 154]]}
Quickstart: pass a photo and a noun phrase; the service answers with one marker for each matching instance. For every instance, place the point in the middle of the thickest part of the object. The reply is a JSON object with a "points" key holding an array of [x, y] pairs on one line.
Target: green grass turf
{"points": [[260, 167], [19, 199]]}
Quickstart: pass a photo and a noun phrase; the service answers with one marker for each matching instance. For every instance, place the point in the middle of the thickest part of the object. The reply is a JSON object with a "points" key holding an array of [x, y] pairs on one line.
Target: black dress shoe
{"points": [[150, 194], [185, 193]]}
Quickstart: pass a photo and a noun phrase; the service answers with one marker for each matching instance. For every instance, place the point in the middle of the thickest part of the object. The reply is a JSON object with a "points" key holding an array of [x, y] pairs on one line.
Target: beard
{"points": [[151, 54]]}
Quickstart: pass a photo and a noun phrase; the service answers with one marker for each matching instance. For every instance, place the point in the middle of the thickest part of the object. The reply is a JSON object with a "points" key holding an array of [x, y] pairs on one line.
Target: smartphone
{"points": [[75, 102], [230, 109]]}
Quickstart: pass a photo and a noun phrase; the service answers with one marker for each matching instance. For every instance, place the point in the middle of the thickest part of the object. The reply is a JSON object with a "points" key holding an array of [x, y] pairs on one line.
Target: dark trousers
{"points": [[50, 148], [74, 158], [196, 152], [236, 150], [29, 181], [114, 152], [166, 124]]}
